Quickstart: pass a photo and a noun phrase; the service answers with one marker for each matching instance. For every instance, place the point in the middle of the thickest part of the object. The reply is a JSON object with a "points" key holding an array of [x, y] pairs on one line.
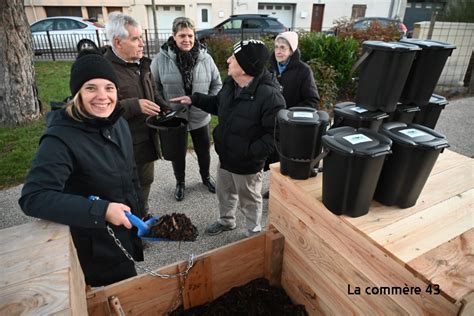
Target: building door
{"points": [[204, 16], [358, 11], [317, 18]]}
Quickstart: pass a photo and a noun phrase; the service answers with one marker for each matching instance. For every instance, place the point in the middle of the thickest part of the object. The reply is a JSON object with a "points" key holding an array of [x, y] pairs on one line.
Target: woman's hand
{"points": [[183, 100], [115, 214]]}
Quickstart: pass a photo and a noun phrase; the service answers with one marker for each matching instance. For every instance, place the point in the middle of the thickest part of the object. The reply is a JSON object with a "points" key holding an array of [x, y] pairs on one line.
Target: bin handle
{"points": [[361, 60], [313, 162]]}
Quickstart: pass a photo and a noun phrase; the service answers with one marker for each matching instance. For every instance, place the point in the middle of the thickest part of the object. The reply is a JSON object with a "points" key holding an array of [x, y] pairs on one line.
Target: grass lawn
{"points": [[18, 144]]}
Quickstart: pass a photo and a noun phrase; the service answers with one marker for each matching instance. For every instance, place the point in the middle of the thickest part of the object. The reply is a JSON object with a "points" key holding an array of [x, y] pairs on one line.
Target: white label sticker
{"points": [[302, 114], [357, 139], [412, 132], [358, 109]]}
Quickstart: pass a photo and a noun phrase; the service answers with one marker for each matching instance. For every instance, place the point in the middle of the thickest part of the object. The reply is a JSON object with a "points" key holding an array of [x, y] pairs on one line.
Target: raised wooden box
{"points": [[40, 273], [320, 259]]}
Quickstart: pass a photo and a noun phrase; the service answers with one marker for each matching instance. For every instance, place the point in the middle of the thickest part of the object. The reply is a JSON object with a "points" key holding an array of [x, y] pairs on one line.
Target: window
{"points": [[261, 7], [204, 17], [232, 24], [269, 7], [94, 13], [278, 7], [252, 24], [42, 26], [67, 24], [166, 8], [63, 11], [358, 11], [287, 7], [178, 8]]}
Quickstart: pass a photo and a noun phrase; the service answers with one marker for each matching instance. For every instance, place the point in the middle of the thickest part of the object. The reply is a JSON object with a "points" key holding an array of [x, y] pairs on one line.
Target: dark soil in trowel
{"points": [[176, 227], [254, 298]]}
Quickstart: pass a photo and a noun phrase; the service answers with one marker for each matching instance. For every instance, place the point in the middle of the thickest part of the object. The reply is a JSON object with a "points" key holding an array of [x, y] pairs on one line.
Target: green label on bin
{"points": [[357, 139], [412, 132], [358, 109]]}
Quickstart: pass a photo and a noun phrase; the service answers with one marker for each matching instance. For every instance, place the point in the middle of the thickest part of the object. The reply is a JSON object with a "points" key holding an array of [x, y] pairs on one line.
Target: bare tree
{"points": [[18, 94]]}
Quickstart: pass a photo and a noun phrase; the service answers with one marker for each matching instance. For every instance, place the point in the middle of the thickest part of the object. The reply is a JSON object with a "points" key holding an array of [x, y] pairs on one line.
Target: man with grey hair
{"points": [[137, 93]]}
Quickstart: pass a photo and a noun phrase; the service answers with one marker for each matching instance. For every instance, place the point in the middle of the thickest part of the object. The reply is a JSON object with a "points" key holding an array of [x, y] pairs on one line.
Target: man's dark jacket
{"points": [[244, 136], [136, 82], [74, 161], [299, 88]]}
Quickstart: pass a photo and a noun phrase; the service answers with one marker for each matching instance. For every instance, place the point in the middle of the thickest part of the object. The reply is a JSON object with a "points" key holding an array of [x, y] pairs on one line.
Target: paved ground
{"points": [[201, 206]]}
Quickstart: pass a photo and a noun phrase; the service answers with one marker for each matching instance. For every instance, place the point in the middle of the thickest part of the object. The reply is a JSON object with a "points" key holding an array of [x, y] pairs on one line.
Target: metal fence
{"points": [[50, 46]]}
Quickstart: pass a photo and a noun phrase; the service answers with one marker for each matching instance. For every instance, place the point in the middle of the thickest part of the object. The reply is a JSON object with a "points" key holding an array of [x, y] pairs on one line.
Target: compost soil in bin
{"points": [[177, 227], [254, 298]]}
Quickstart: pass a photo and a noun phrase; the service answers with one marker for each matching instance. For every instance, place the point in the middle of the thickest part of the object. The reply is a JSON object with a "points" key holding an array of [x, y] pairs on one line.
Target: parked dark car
{"points": [[364, 23], [244, 26]]}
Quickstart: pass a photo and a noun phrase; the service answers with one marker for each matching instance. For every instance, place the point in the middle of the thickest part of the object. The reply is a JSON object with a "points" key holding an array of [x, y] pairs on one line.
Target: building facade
{"points": [[316, 15]]}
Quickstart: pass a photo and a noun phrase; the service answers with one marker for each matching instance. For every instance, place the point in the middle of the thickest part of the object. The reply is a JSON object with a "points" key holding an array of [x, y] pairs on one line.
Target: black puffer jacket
{"points": [[244, 136], [76, 160], [299, 88]]}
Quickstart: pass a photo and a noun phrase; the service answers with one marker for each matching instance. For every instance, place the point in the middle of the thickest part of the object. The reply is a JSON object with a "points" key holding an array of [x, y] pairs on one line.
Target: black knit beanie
{"points": [[90, 64], [252, 55]]}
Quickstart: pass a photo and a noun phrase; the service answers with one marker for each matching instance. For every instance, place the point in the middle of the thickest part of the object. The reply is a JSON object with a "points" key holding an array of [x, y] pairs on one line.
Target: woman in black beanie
{"points": [[86, 151]]}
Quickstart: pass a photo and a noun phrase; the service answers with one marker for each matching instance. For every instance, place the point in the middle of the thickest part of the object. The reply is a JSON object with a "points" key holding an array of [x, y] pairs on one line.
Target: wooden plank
{"points": [[371, 260], [327, 271], [450, 265], [274, 246], [438, 188], [198, 289], [232, 265], [77, 286], [28, 263], [414, 235], [19, 237], [44, 295]]}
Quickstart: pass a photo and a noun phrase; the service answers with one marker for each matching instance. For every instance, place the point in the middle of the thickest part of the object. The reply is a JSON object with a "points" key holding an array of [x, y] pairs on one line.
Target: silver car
{"points": [[66, 34]]}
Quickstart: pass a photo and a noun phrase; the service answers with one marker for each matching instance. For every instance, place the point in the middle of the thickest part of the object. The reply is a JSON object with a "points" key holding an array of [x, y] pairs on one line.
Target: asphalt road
{"points": [[201, 206]]}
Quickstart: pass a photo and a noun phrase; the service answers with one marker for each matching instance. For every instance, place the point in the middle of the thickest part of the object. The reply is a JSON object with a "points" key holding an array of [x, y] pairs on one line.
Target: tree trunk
{"points": [[18, 94]]}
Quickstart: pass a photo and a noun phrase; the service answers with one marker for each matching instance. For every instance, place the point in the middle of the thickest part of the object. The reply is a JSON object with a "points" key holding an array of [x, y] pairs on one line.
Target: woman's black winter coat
{"points": [[244, 136], [74, 161], [299, 88]]}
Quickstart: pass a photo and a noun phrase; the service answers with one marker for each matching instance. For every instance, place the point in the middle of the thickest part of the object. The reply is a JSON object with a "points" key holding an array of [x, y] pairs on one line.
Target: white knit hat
{"points": [[291, 38]]}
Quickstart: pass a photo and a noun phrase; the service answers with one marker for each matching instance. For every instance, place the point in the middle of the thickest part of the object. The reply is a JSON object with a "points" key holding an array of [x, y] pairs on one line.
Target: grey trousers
{"points": [[243, 192], [145, 176]]}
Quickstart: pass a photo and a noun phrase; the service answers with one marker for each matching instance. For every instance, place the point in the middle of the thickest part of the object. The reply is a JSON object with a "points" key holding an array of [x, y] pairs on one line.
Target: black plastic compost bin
{"points": [[403, 113], [415, 150], [172, 131], [429, 113], [349, 114], [300, 131], [425, 71], [383, 71], [352, 168]]}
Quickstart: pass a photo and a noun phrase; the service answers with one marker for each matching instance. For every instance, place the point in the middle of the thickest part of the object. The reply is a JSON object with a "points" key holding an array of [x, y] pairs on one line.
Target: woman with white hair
{"points": [[295, 77]]}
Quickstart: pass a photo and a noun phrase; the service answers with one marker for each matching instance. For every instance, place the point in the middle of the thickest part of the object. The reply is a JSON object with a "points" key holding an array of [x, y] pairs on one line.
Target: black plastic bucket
{"points": [[403, 113], [300, 131], [383, 72], [425, 71], [349, 114], [352, 168], [172, 131], [415, 150], [429, 113]]}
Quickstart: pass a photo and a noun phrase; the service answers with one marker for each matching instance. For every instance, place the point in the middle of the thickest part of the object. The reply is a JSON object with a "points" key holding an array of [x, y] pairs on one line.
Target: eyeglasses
{"points": [[282, 48]]}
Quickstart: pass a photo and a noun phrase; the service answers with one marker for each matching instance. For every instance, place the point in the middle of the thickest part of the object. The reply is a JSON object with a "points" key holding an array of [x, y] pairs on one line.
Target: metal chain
{"points": [[150, 272]]}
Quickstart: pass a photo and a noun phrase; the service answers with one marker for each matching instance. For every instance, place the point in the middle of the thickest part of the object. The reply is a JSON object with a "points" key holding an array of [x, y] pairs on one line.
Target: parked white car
{"points": [[66, 33]]}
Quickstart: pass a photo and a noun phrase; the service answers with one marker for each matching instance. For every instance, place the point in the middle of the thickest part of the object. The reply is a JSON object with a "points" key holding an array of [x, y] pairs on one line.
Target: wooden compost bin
{"points": [[317, 257]]}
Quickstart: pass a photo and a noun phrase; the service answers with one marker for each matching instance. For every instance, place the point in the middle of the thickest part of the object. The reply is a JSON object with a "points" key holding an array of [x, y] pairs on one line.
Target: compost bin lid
{"points": [[438, 100], [407, 108], [390, 46], [428, 44], [414, 135], [353, 111], [302, 115], [359, 142]]}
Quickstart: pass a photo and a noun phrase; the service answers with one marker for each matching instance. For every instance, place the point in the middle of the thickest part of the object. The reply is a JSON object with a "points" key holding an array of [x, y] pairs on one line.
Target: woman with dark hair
{"points": [[184, 67], [87, 150]]}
